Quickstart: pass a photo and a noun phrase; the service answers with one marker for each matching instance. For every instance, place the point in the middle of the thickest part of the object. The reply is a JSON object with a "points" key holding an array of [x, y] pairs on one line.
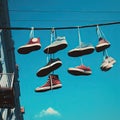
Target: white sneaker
{"points": [[59, 44], [107, 63]]}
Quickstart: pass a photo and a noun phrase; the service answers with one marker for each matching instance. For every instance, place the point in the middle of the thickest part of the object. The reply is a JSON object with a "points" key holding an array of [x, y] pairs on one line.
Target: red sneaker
{"points": [[102, 45], [32, 45], [52, 83], [80, 70]]}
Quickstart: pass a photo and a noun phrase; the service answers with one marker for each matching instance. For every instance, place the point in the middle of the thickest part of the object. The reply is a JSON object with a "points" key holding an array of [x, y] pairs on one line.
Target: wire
{"points": [[59, 28], [38, 20], [67, 11]]}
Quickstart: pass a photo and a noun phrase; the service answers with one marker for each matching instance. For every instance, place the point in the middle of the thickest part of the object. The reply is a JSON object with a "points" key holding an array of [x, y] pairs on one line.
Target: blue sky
{"points": [[94, 97]]}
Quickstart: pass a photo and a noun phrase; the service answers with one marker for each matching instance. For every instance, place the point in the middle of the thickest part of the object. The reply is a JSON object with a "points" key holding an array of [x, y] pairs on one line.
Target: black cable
{"points": [[84, 20], [67, 11], [58, 28]]}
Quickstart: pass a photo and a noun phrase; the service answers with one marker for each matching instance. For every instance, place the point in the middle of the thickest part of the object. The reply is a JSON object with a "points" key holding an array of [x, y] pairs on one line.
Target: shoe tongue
{"points": [[34, 40]]}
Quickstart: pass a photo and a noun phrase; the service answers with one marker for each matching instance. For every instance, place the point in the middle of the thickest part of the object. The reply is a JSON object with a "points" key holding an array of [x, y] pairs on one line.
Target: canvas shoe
{"points": [[80, 70], [83, 49], [59, 44], [107, 63], [107, 60], [52, 83], [52, 65], [102, 45], [32, 45]]}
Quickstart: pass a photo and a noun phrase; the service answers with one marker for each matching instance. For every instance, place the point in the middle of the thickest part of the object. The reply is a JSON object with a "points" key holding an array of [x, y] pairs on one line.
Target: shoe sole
{"points": [[77, 53], [106, 68], [76, 72], [48, 88], [54, 49], [28, 48], [102, 47], [47, 69]]}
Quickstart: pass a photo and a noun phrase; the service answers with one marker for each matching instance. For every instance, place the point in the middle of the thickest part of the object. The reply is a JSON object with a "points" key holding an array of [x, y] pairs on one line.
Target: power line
{"points": [[38, 20], [58, 28], [67, 11]]}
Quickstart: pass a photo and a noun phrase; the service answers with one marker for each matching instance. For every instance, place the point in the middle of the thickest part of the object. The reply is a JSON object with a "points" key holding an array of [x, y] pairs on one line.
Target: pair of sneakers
{"points": [[85, 49], [107, 63], [34, 44]]}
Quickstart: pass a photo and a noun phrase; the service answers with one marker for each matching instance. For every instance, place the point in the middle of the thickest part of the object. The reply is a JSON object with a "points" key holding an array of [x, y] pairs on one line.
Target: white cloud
{"points": [[48, 112]]}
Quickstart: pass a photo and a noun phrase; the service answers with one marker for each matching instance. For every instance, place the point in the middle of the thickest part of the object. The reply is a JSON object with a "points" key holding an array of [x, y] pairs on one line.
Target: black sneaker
{"points": [[52, 65]]}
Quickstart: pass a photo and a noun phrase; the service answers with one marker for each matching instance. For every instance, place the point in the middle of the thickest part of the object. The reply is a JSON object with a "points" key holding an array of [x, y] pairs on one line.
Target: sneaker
{"points": [[83, 49], [107, 63], [102, 45], [52, 65], [52, 83], [59, 44], [32, 45], [80, 70]]}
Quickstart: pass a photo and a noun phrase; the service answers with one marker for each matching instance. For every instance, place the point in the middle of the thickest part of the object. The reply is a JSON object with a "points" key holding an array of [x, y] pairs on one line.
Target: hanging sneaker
{"points": [[107, 67], [52, 65], [102, 45], [59, 44], [83, 49], [52, 83], [80, 70], [32, 45], [107, 63]]}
